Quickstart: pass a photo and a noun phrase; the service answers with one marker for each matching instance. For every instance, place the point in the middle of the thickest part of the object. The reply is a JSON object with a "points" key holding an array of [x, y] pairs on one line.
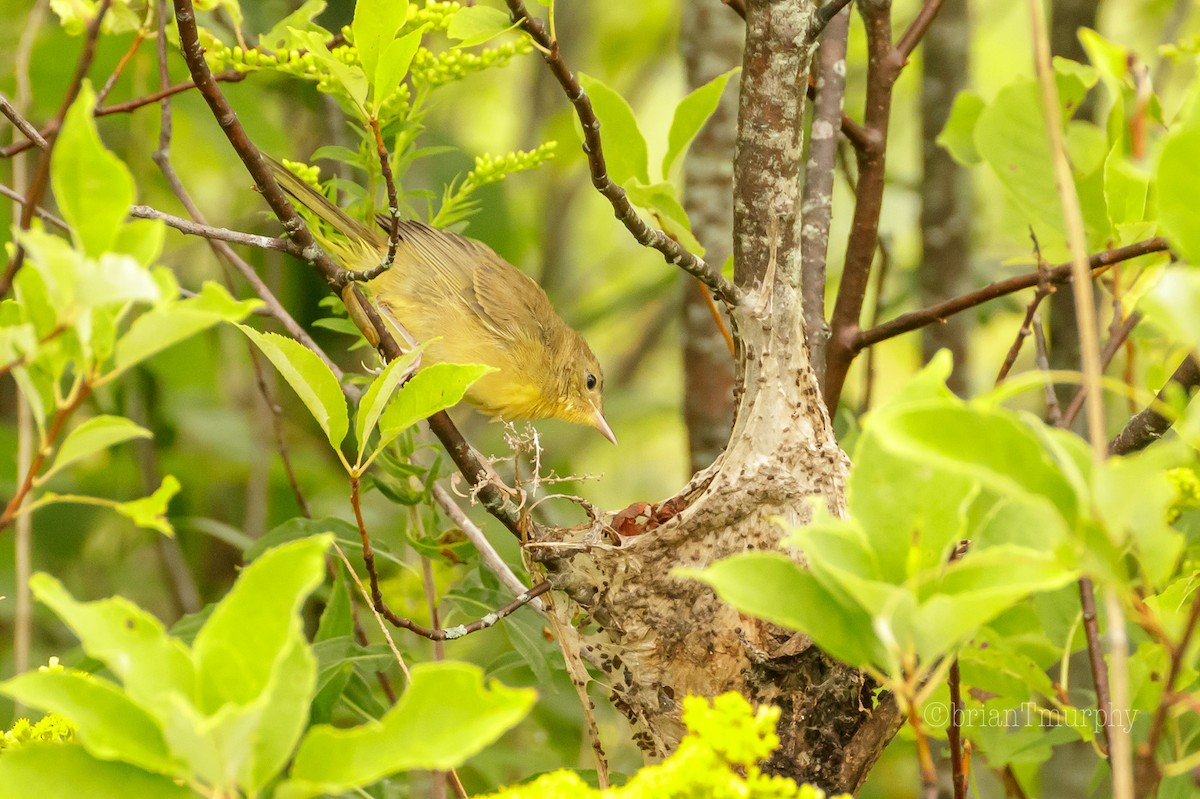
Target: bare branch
{"points": [[21, 122], [1059, 274], [217, 233], [645, 235], [1149, 425]]}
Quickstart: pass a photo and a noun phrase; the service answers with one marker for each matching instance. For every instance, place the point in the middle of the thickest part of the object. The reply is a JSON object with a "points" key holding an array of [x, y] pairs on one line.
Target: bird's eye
{"points": [[591, 381]]}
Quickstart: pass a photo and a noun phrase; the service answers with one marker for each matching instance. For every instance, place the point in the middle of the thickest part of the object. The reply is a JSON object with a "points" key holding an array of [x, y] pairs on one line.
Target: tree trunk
{"points": [[659, 637], [711, 42], [946, 189]]}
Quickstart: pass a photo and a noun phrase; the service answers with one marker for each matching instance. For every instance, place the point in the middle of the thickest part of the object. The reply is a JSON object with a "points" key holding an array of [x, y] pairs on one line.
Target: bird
{"points": [[466, 304]]}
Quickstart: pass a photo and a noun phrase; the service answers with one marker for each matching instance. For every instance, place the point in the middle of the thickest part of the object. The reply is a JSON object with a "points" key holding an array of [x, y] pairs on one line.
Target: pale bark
{"points": [[711, 42], [658, 637]]}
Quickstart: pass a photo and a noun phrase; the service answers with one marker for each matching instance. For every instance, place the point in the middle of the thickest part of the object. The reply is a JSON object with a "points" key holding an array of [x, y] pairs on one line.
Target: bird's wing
{"points": [[506, 300]]}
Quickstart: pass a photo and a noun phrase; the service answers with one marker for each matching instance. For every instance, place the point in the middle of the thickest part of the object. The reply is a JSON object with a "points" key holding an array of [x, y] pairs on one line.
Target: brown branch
{"points": [[958, 772], [120, 68], [1059, 274], [882, 71], [41, 212], [826, 14], [1149, 425], [916, 29], [1148, 775], [1116, 338], [1044, 290], [22, 124], [1091, 631], [467, 460], [645, 235], [61, 417], [41, 173]]}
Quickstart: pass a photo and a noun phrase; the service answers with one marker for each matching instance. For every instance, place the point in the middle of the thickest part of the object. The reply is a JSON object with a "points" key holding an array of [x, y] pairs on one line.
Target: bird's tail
{"points": [[319, 206]]}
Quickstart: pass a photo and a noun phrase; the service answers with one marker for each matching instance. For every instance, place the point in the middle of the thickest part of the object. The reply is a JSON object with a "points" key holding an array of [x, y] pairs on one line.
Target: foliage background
{"points": [[213, 431]]}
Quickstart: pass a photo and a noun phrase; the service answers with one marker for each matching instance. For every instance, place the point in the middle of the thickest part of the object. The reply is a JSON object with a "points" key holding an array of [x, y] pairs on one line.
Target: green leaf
{"points": [[93, 188], [990, 445], [109, 725], [379, 393], [67, 770], [660, 200], [96, 434], [352, 78], [1125, 187], [344, 533], [1011, 137], [242, 639], [773, 587], [958, 135], [446, 716], [393, 66], [142, 239], [301, 19], [432, 389], [338, 618], [1176, 178], [690, 115], [375, 25], [976, 589], [132, 643], [475, 25], [310, 378], [176, 320], [1171, 305], [151, 512], [624, 146]]}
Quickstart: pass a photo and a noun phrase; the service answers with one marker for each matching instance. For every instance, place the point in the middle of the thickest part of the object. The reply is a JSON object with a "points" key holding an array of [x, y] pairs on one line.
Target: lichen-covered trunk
{"points": [[659, 637]]}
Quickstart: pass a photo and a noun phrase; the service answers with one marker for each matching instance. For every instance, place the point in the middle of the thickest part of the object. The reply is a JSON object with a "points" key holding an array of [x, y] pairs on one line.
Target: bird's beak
{"points": [[600, 424]]}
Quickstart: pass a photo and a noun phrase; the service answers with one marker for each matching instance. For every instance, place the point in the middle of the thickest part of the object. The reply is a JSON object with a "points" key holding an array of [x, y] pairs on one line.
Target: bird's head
{"points": [[581, 386]]}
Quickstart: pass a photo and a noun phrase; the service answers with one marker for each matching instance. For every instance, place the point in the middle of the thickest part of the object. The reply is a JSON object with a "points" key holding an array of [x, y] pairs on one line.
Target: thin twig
{"points": [[1044, 290], [882, 71], [138, 38], [220, 234], [1149, 425], [1059, 274], [41, 212], [645, 235], [1091, 632], [916, 29], [433, 634], [22, 124], [1119, 751], [1148, 773], [487, 553], [1120, 334], [958, 771]]}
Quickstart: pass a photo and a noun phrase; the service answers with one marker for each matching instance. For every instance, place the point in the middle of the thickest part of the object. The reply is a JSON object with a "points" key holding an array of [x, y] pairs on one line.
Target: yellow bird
{"points": [[471, 306]]}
